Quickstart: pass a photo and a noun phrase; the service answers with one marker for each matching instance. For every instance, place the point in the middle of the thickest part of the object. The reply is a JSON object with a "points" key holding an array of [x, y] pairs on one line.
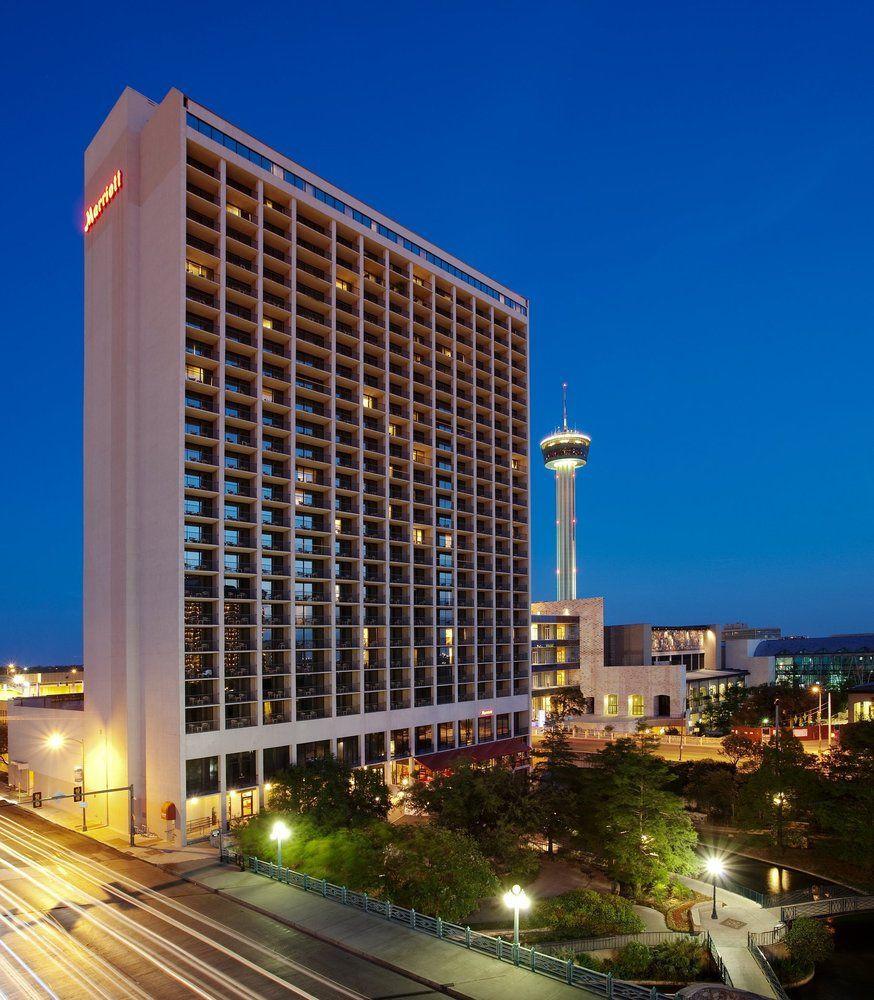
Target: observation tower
{"points": [[565, 451]]}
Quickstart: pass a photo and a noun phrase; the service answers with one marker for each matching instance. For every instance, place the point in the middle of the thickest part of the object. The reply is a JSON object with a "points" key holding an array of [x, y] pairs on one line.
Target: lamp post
{"points": [[516, 900], [817, 689], [279, 832], [715, 867], [55, 742]]}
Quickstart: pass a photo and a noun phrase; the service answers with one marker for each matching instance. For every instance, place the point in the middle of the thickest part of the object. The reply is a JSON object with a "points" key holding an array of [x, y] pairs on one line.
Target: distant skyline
{"points": [[683, 190]]}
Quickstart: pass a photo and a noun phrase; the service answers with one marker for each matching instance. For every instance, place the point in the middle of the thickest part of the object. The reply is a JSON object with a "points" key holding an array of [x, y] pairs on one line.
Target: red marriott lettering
{"points": [[92, 213]]}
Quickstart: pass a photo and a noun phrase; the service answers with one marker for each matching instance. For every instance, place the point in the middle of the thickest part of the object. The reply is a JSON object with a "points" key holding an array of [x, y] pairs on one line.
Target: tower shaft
{"points": [[566, 534]]}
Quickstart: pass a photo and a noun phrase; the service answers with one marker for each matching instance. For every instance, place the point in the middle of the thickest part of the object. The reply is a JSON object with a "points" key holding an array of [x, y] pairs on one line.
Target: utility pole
{"points": [[778, 751]]}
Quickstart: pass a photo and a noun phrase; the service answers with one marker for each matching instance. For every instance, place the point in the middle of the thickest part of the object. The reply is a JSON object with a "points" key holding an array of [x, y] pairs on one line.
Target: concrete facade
{"points": [[306, 475]]}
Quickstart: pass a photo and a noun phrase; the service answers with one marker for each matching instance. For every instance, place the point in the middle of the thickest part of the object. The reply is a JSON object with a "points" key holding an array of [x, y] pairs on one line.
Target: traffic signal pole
{"points": [[79, 794]]}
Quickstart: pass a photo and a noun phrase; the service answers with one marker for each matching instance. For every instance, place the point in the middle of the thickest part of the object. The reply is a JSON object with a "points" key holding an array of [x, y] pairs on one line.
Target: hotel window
{"points": [[195, 374], [418, 536], [560, 678], [503, 727], [424, 739], [560, 654], [465, 732], [305, 475], [445, 736], [484, 730], [368, 402], [635, 705], [611, 704], [374, 748]]}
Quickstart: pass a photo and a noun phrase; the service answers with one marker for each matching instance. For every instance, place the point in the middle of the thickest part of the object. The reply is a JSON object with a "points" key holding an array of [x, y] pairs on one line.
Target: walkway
{"points": [[736, 917], [437, 962]]}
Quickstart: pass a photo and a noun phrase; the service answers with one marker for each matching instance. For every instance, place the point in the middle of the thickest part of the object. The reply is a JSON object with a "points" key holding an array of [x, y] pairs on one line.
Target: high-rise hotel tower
{"points": [[306, 492]]}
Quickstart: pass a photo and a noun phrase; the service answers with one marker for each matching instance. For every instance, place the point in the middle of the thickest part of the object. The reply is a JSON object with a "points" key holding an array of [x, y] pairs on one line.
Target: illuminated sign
{"points": [[93, 212], [486, 712]]}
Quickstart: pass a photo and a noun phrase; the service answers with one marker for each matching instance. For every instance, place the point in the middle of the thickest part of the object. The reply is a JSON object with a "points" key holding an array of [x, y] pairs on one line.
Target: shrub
{"points": [[632, 961], [588, 961], [808, 942], [586, 913], [678, 961]]}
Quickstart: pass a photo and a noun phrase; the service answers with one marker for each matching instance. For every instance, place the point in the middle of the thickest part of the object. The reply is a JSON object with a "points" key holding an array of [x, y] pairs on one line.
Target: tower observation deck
{"points": [[564, 451]]}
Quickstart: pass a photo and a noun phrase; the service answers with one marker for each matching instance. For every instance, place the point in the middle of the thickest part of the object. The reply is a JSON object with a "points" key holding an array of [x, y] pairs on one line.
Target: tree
{"points": [[808, 941], [716, 713], [330, 792], [638, 825], [350, 856], [846, 804], [711, 788], [568, 703], [758, 704], [556, 783], [741, 751], [491, 805], [781, 789], [437, 871]]}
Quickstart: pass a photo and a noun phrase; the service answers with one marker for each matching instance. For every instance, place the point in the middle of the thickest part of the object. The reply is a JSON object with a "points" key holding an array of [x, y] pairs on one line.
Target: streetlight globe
{"points": [[715, 867], [279, 831], [516, 898], [55, 741], [815, 689]]}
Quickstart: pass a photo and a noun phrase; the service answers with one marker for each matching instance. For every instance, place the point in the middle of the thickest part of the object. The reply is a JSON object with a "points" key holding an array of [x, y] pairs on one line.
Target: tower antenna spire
{"points": [[564, 406]]}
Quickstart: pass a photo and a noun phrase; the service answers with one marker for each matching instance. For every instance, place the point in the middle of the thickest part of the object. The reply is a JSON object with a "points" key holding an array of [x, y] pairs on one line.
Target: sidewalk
{"points": [[736, 917], [474, 975]]}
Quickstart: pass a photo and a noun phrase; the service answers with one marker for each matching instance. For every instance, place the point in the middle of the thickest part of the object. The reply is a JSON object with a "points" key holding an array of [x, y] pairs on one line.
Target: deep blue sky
{"points": [[683, 190]]}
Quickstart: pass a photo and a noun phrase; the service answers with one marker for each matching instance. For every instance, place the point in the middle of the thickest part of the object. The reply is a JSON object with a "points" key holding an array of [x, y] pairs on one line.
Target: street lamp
{"points": [[716, 868], [56, 742], [516, 900], [279, 832]]}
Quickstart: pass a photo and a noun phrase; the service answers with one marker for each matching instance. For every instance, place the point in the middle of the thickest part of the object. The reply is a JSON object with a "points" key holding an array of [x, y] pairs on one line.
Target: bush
{"points": [[588, 961], [678, 961], [632, 961], [808, 942], [586, 913]]}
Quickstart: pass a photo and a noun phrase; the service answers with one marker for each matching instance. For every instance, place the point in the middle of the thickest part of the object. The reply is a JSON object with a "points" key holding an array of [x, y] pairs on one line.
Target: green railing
{"points": [[526, 958], [765, 966]]}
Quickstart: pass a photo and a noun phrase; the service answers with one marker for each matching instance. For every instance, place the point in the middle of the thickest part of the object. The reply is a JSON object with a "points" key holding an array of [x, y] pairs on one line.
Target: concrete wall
{"points": [[739, 656], [647, 680], [43, 769]]}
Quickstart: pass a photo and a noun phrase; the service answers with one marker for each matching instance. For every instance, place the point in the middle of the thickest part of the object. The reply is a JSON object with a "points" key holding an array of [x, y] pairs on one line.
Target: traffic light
{"points": [[37, 800], [77, 793]]}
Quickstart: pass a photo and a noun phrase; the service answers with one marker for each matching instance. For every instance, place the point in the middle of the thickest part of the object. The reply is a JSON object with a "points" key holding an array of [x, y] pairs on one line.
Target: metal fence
{"points": [[765, 966], [613, 942], [528, 958], [718, 962], [767, 937], [768, 900], [827, 907]]}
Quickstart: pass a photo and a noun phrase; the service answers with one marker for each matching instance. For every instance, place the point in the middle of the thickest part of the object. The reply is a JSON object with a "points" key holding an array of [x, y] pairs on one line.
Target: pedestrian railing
{"points": [[765, 966], [767, 937], [768, 900], [718, 962], [530, 959], [827, 907], [613, 942]]}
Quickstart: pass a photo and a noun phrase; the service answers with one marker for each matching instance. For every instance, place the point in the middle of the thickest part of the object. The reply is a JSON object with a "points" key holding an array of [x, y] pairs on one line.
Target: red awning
{"points": [[476, 754]]}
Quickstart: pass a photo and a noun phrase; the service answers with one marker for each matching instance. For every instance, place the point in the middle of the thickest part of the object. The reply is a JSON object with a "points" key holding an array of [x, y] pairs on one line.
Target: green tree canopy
{"points": [[331, 793], [437, 871], [557, 785], [637, 824], [491, 805]]}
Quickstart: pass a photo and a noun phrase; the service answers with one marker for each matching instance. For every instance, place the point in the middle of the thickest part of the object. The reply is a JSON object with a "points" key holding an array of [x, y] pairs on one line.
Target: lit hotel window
{"points": [[611, 704], [635, 705]]}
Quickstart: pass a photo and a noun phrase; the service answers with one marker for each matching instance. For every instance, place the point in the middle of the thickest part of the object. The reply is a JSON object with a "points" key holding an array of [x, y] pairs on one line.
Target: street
{"points": [[81, 920], [670, 751]]}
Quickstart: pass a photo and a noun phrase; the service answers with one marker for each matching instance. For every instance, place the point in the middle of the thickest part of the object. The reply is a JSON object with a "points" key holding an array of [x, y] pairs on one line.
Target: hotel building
{"points": [[306, 490]]}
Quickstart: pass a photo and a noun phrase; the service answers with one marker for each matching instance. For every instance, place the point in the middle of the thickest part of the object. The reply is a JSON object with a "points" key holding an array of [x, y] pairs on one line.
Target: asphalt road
{"points": [[669, 751], [81, 920]]}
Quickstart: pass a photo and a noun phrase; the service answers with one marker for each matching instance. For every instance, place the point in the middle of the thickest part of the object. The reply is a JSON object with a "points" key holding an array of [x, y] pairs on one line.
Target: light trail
{"points": [[153, 958], [65, 944], [48, 849]]}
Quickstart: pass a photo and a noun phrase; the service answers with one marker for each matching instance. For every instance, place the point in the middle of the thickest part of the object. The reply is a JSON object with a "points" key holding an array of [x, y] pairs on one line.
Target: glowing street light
{"points": [[516, 900], [55, 742], [715, 868], [279, 832]]}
